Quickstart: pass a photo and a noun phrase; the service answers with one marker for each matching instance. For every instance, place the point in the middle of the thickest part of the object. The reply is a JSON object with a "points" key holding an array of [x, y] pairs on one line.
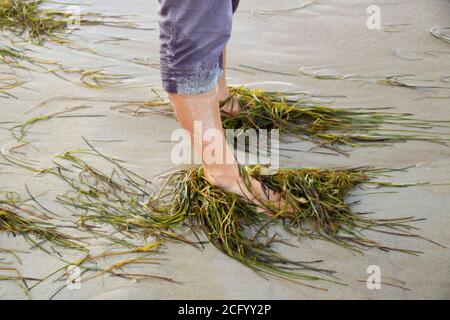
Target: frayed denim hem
{"points": [[201, 78]]}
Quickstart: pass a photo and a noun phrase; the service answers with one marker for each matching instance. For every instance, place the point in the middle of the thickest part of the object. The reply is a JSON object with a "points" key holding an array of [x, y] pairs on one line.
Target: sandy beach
{"points": [[278, 45]]}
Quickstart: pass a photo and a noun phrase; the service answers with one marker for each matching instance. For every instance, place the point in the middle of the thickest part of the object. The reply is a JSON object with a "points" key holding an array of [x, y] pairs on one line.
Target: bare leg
{"points": [[224, 172], [232, 107], [223, 87]]}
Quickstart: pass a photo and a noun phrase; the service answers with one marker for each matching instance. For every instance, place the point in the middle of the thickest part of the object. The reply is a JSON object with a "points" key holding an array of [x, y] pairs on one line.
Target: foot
{"points": [[230, 106], [253, 191]]}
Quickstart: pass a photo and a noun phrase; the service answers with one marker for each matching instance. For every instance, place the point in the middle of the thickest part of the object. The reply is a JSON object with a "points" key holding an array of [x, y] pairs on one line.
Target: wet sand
{"points": [[328, 37]]}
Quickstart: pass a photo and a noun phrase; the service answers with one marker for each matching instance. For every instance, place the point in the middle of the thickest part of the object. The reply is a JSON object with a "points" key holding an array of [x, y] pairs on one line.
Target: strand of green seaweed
{"points": [[10, 273]]}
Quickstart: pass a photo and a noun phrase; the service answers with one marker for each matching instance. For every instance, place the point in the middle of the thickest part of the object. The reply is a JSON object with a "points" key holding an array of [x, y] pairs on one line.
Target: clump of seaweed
{"points": [[37, 228], [114, 199], [118, 200], [323, 125], [34, 227], [232, 224], [27, 17], [315, 207]]}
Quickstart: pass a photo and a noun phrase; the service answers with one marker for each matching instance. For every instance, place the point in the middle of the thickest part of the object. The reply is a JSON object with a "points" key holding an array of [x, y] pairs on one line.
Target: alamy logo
{"points": [[248, 147], [73, 278], [374, 20], [73, 18], [373, 282]]}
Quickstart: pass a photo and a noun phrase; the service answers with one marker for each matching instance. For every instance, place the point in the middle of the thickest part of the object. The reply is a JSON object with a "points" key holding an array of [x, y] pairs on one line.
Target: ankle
{"points": [[215, 175], [223, 94], [223, 91]]}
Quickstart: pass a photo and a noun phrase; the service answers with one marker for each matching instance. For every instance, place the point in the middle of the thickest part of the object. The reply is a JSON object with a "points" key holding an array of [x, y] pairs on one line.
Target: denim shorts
{"points": [[193, 34]]}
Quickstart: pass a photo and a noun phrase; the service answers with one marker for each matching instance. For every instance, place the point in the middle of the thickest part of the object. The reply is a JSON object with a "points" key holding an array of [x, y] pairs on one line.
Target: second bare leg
{"points": [[232, 107]]}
